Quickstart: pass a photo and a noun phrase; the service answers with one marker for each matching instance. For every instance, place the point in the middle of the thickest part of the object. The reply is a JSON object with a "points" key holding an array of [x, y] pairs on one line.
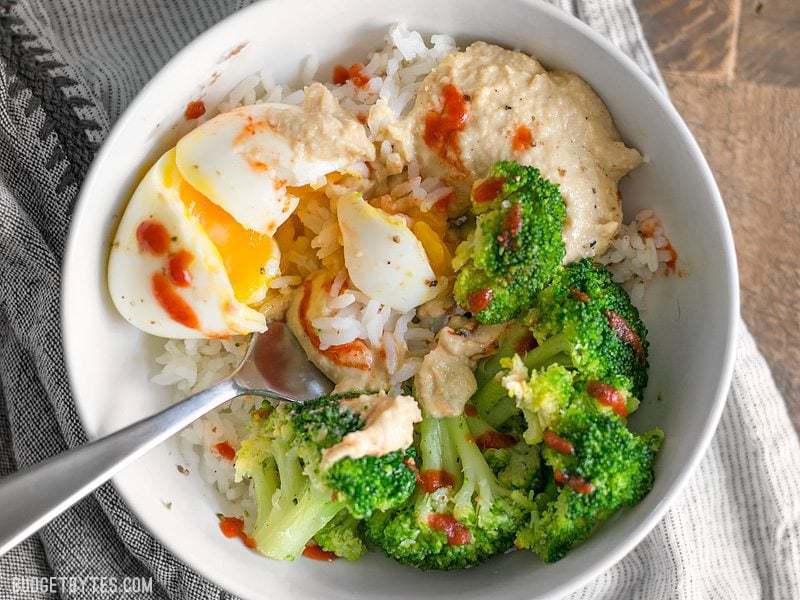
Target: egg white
{"points": [[244, 160], [384, 258], [130, 269]]}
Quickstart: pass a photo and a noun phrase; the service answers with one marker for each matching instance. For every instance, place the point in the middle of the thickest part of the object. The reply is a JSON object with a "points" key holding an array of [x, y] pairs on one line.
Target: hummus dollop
{"points": [[389, 426], [445, 380], [518, 110]]}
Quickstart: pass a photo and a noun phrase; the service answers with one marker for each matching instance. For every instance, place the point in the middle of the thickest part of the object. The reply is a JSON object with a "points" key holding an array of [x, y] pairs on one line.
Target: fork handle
{"points": [[34, 496]]}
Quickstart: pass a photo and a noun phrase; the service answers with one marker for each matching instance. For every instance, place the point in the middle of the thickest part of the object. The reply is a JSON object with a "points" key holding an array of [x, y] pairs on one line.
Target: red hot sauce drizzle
{"points": [[575, 482], [488, 189], [579, 295], [512, 225], [194, 110], [457, 534], [557, 443], [442, 127], [608, 395], [314, 552], [152, 237], [522, 140], [495, 439], [470, 410], [480, 299], [171, 301], [526, 344], [625, 333], [225, 450], [232, 527], [178, 268], [355, 73], [340, 75], [434, 479]]}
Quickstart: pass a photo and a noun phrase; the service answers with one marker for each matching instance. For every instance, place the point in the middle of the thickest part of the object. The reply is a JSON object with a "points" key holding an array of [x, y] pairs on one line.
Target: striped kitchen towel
{"points": [[68, 68]]}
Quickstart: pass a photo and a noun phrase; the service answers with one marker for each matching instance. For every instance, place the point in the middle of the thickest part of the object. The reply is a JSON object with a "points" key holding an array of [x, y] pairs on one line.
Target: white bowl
{"points": [[691, 318]]}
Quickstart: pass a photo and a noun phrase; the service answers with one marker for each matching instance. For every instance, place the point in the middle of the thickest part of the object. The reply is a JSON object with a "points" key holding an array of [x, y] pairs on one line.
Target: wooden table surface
{"points": [[733, 71]]}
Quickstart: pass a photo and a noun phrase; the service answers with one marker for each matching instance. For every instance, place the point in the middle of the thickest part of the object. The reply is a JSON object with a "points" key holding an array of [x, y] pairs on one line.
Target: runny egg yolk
{"points": [[244, 252]]}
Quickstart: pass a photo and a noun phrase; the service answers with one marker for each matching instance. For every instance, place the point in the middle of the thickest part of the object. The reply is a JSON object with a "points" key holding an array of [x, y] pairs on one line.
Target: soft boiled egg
{"points": [[243, 160], [384, 258], [182, 267]]}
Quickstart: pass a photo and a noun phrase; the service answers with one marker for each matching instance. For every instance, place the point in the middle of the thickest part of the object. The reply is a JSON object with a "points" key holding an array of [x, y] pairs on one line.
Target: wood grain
{"points": [[732, 70], [769, 42], [750, 134], [692, 36]]}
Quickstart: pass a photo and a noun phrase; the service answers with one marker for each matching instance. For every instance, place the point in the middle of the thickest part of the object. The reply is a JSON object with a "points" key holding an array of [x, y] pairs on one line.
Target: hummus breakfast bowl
{"points": [[504, 250]]}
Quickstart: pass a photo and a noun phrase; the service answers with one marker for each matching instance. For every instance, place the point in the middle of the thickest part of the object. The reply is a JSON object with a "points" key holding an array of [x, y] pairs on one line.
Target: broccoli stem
{"points": [[479, 480], [472, 461], [553, 349], [265, 484], [285, 538], [437, 450], [292, 483], [478, 426], [286, 522], [501, 412], [487, 396], [489, 367]]}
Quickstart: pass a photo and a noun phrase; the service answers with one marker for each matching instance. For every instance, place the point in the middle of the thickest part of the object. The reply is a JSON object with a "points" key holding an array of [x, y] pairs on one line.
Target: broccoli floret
{"points": [[517, 467], [516, 464], [584, 321], [546, 393], [459, 517], [541, 397], [516, 246], [587, 312], [296, 495], [517, 338], [342, 536], [598, 466]]}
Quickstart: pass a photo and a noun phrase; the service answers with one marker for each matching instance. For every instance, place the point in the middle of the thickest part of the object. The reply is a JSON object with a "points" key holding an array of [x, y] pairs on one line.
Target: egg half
{"points": [[244, 160], [384, 258], [194, 250], [182, 267]]}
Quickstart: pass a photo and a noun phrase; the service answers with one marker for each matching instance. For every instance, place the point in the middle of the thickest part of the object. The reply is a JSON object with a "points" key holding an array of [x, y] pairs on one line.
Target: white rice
{"points": [[287, 281], [193, 365], [640, 251], [395, 72], [338, 282], [308, 69]]}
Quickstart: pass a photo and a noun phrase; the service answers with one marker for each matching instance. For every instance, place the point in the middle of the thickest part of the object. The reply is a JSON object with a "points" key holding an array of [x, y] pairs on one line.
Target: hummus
{"points": [[516, 109], [389, 426], [320, 130], [445, 381]]}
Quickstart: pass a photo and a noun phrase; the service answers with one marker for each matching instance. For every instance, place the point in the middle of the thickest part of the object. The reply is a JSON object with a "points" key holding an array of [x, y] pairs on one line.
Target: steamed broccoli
{"points": [[516, 467], [597, 466], [545, 395], [542, 398], [296, 495], [584, 321], [587, 312], [342, 536], [461, 515], [516, 246], [516, 464], [516, 338]]}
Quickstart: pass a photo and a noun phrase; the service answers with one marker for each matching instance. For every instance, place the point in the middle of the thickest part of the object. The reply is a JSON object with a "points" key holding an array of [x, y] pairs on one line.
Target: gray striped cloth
{"points": [[67, 70]]}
